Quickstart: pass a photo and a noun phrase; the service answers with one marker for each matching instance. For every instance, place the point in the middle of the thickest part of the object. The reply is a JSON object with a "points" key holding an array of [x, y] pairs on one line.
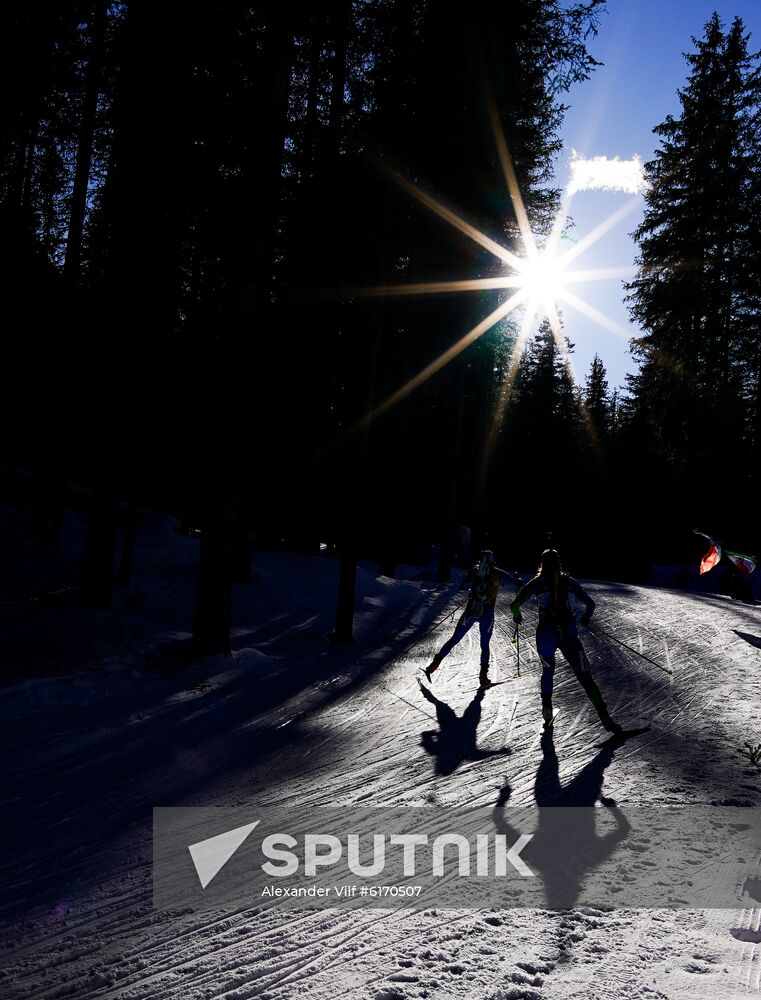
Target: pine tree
{"points": [[545, 437], [597, 400], [697, 292]]}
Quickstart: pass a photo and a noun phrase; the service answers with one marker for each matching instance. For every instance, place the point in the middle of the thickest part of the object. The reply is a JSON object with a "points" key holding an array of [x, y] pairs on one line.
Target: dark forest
{"points": [[201, 205]]}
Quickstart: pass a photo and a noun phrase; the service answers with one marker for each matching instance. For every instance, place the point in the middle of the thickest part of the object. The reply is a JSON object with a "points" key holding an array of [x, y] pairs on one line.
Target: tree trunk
{"points": [[28, 172], [338, 84], [347, 586], [39, 516], [310, 125], [211, 621], [347, 578], [98, 563], [72, 261], [127, 556], [447, 542], [242, 550], [211, 624]]}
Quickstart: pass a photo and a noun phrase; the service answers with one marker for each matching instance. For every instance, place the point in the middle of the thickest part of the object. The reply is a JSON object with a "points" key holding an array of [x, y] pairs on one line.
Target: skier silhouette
{"points": [[484, 581], [558, 629]]}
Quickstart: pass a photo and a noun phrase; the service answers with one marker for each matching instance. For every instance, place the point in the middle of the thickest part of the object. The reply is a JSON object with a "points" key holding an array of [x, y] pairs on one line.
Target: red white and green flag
{"points": [[746, 564], [712, 556]]}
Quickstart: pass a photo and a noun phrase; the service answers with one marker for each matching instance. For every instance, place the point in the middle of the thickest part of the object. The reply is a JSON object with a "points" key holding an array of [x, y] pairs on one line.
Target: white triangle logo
{"points": [[209, 856]]}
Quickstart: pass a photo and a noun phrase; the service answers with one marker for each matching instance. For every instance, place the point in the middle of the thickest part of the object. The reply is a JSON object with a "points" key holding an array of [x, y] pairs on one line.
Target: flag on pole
{"points": [[746, 564], [712, 556]]}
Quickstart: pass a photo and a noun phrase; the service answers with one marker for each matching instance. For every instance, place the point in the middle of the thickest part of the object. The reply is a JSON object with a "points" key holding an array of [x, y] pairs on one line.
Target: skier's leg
{"points": [[486, 626], [546, 647], [462, 627], [573, 651]]}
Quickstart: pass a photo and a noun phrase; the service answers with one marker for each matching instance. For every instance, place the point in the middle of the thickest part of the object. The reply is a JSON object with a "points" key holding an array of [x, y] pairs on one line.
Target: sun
{"points": [[541, 276], [535, 282]]}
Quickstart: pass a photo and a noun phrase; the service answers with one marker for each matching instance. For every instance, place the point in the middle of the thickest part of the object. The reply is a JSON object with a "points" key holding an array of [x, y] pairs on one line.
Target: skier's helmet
{"points": [[485, 562], [550, 564]]}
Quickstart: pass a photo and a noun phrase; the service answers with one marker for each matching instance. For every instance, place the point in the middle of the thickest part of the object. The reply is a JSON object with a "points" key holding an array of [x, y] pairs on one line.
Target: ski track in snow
{"points": [[374, 742]]}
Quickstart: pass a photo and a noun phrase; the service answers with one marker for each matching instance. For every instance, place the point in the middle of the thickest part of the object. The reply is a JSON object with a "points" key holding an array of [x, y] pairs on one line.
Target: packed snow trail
{"points": [[370, 735]]}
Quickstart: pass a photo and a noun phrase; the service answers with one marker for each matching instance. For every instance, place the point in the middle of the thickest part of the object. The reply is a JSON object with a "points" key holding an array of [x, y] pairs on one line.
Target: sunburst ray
{"points": [[436, 287], [455, 220], [443, 359], [594, 314], [511, 179], [505, 390], [599, 231]]}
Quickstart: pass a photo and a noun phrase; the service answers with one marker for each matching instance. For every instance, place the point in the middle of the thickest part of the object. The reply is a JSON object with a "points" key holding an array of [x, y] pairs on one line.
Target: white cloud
{"points": [[600, 173]]}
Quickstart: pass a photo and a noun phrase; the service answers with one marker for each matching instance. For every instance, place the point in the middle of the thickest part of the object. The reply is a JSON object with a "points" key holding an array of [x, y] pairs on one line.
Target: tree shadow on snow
{"points": [[455, 741]]}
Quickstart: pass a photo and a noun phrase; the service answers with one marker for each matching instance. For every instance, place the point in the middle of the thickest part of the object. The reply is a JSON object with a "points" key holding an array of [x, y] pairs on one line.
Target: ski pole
{"points": [[513, 575], [435, 626], [517, 641], [446, 618], [599, 631]]}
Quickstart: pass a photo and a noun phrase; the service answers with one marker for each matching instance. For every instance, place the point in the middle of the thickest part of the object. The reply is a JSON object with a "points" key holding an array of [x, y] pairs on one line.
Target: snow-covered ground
{"points": [[117, 723]]}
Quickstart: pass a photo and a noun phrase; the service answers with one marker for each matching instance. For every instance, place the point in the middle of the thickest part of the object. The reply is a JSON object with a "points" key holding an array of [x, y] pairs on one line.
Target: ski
{"points": [[485, 687], [624, 735]]}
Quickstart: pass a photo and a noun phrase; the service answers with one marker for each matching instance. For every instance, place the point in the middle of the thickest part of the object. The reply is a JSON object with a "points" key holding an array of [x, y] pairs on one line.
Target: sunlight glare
{"points": [[541, 277]]}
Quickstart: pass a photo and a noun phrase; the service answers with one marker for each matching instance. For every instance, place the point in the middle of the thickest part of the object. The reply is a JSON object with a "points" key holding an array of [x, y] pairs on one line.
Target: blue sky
{"points": [[641, 44]]}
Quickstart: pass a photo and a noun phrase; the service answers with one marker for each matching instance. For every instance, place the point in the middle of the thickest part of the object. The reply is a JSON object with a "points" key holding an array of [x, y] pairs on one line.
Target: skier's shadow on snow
{"points": [[567, 844], [455, 741]]}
